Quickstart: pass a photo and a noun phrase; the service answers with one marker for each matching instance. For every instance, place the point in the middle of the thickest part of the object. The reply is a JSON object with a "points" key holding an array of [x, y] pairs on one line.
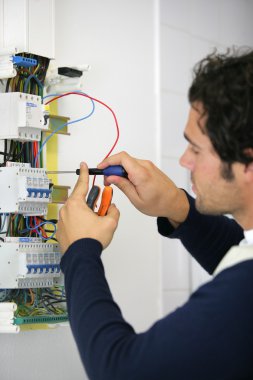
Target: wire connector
{"points": [[23, 61]]}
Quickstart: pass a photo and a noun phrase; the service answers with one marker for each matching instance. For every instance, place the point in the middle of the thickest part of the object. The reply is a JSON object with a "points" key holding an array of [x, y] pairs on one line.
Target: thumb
{"points": [[114, 214], [82, 184]]}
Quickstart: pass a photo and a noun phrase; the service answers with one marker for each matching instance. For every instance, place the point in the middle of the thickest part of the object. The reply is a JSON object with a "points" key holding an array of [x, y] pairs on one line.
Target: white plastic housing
{"points": [[8, 306], [24, 190], [9, 329], [21, 116], [29, 263]]}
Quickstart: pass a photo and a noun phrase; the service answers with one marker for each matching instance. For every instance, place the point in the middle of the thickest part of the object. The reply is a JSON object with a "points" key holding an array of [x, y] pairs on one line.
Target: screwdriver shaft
{"points": [[93, 171]]}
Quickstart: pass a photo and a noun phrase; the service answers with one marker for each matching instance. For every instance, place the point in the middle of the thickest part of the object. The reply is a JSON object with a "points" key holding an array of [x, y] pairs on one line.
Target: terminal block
{"points": [[29, 263], [24, 190], [21, 116]]}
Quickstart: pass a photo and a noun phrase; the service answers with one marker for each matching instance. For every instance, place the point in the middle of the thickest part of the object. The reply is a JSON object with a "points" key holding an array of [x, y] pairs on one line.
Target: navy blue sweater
{"points": [[209, 337]]}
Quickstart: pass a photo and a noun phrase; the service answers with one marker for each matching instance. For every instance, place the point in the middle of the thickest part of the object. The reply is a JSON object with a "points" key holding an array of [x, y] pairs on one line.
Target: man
{"points": [[211, 336]]}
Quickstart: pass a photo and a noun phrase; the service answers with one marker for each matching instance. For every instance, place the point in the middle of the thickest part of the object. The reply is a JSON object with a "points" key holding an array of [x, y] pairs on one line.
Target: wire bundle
{"points": [[29, 80], [36, 302]]}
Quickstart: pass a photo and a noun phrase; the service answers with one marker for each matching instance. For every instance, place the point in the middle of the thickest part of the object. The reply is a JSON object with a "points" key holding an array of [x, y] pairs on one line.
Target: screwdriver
{"points": [[117, 170]]}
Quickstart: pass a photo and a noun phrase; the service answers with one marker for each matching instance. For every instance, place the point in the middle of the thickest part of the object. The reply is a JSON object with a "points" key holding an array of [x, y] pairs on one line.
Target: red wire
{"points": [[35, 150], [103, 104], [43, 232]]}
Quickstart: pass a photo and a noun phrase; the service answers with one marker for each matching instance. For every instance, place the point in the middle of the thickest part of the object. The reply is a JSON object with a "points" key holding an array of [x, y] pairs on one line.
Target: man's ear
{"points": [[248, 152], [249, 173], [249, 167]]}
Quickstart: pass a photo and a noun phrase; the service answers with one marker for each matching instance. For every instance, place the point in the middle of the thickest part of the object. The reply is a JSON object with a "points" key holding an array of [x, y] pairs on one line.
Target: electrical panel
{"points": [[21, 117], [24, 190], [31, 282], [30, 275]]}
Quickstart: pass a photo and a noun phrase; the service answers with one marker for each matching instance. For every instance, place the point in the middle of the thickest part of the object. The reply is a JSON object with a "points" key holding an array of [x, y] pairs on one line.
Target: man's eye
{"points": [[194, 150]]}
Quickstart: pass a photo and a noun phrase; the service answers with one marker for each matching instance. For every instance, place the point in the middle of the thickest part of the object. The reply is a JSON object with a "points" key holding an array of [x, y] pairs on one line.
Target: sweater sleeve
{"points": [[206, 237], [194, 342]]}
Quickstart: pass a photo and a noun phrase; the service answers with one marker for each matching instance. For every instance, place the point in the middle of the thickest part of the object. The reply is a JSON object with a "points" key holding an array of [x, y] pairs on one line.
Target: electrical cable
{"points": [[98, 101], [61, 127], [36, 228]]}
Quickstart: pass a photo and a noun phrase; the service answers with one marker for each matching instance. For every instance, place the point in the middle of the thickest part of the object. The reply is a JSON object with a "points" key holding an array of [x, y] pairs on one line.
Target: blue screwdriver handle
{"points": [[110, 170], [115, 170]]}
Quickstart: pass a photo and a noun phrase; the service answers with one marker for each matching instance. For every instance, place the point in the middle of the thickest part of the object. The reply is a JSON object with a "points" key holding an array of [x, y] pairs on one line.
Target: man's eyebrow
{"points": [[190, 141]]}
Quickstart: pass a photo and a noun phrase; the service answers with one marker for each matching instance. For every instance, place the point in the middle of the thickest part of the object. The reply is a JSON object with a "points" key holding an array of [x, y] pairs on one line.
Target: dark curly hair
{"points": [[223, 83]]}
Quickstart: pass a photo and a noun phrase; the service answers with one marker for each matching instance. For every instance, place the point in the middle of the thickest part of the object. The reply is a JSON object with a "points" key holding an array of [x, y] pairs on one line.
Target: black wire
{"points": [[14, 157], [7, 85], [18, 156], [8, 155]]}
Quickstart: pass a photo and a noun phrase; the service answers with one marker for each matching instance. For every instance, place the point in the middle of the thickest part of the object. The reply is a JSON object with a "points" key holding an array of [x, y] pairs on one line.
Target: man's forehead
{"points": [[197, 118], [195, 127]]}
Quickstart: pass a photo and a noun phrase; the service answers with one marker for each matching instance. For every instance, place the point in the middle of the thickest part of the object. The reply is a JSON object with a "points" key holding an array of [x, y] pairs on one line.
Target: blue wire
{"points": [[63, 125], [39, 225], [28, 80]]}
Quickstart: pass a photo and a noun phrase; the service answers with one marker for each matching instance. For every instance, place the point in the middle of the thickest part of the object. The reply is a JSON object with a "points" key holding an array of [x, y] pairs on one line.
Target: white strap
{"points": [[235, 256]]}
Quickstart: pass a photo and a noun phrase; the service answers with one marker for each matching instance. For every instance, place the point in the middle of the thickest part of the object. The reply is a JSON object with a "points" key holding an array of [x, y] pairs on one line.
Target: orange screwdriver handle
{"points": [[105, 200]]}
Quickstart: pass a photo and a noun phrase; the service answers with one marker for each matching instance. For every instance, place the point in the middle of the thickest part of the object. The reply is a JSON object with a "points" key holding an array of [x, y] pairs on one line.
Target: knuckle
{"points": [[124, 154], [149, 164], [112, 223]]}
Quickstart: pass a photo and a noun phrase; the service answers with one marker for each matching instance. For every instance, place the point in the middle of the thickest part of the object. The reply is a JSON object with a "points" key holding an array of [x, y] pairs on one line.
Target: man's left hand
{"points": [[77, 220]]}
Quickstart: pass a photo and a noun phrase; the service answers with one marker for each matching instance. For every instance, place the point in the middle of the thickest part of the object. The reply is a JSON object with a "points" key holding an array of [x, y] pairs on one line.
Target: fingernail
{"points": [[82, 163]]}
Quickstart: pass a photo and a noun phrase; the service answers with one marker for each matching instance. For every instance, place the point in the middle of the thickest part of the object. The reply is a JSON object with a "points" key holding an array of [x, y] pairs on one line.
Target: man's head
{"points": [[224, 86], [220, 132]]}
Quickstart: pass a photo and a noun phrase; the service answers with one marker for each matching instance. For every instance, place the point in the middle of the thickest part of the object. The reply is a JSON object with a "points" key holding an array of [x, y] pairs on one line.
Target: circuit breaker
{"points": [[21, 116], [29, 263], [24, 190]]}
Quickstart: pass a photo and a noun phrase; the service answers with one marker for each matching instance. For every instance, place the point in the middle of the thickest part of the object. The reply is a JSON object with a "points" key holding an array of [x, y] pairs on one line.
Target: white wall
{"points": [[189, 30], [117, 39]]}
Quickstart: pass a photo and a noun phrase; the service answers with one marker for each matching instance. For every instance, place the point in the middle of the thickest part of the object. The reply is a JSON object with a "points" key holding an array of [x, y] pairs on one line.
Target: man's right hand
{"points": [[148, 188]]}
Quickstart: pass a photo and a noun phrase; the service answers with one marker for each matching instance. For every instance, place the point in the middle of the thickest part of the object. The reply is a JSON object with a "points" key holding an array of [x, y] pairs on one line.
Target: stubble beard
{"points": [[208, 207]]}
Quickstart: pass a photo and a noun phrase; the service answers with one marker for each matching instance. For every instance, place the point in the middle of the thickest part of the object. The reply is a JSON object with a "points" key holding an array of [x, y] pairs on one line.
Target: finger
{"points": [[130, 164], [122, 158], [125, 186], [82, 184], [115, 159], [113, 213]]}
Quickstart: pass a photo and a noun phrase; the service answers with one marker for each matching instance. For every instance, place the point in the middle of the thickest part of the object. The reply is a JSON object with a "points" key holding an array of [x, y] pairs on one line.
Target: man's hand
{"points": [[148, 188], [78, 221]]}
